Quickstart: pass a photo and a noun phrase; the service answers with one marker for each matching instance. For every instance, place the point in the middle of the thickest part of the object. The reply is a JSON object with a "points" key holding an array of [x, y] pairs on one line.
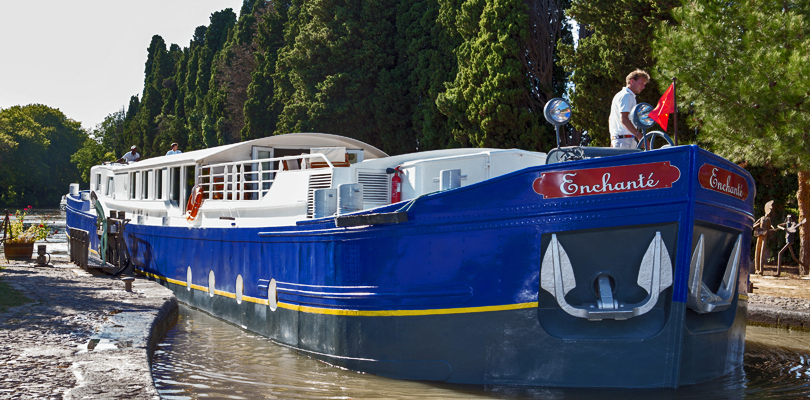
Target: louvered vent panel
{"points": [[316, 181], [376, 187]]}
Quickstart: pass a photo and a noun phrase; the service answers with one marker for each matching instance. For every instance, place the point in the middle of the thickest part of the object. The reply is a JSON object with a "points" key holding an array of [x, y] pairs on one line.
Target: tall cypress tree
{"points": [[491, 96], [261, 109], [424, 62], [232, 73], [328, 72], [216, 34]]}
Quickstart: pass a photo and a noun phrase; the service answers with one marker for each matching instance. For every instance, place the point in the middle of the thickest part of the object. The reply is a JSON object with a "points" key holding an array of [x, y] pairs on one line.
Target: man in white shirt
{"points": [[130, 156], [173, 150], [622, 132]]}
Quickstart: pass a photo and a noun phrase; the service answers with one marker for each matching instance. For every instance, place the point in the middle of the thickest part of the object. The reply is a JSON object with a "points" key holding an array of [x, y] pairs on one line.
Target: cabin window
{"points": [[110, 187], [159, 183], [98, 182], [174, 189], [133, 182], [189, 181], [145, 184]]}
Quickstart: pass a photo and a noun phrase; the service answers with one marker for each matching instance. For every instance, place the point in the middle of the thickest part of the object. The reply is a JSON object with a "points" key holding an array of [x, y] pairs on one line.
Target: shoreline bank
{"points": [[82, 336]]}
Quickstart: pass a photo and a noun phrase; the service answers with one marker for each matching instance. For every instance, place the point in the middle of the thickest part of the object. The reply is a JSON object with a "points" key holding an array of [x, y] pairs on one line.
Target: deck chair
{"points": [[337, 155], [290, 165]]}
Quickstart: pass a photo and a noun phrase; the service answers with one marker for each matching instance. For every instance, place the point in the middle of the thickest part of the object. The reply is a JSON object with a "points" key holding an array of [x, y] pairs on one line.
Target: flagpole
{"points": [[675, 104]]}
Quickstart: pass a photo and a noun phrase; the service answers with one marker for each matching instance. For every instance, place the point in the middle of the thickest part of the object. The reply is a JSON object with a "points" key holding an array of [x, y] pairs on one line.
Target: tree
{"points": [[37, 144], [494, 97], [98, 146], [261, 108], [744, 67], [616, 38], [327, 74]]}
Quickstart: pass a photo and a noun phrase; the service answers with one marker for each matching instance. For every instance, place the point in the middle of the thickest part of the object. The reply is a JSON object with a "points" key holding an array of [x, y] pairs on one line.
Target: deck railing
{"points": [[251, 179]]}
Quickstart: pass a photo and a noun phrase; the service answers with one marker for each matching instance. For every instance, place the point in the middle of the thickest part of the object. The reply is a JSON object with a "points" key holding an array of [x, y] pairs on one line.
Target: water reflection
{"points": [[202, 356]]}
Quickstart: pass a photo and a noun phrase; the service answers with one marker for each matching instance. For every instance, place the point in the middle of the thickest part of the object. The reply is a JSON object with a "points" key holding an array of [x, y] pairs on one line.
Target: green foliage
{"points": [[261, 110], [615, 39], [336, 55], [96, 148], [490, 100], [744, 67], [35, 164]]}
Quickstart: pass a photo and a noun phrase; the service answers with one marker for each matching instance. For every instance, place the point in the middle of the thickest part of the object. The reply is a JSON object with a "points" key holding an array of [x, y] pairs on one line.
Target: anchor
{"points": [[654, 276], [701, 299]]}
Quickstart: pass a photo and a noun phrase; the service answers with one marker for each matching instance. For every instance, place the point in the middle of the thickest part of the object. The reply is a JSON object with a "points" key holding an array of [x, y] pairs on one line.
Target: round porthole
{"points": [[211, 282], [240, 289], [272, 295], [188, 278]]}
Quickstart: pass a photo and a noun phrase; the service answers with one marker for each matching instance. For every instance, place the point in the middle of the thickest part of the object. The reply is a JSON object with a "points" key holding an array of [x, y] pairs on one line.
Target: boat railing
{"points": [[251, 179]]}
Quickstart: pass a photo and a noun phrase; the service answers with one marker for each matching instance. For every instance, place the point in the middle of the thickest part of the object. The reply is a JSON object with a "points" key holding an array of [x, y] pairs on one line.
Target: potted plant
{"points": [[19, 239]]}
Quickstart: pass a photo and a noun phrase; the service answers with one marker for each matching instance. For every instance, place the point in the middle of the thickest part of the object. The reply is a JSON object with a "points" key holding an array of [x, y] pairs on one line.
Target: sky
{"points": [[87, 57]]}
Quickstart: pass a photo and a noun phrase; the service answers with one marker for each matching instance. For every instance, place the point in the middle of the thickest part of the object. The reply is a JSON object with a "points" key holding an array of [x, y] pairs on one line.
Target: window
{"points": [[98, 182], [145, 185], [110, 187], [133, 182], [189, 182], [174, 188], [159, 183]]}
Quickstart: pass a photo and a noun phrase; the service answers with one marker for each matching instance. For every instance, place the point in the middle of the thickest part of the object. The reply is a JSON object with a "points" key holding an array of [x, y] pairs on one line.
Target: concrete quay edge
{"points": [[116, 332], [775, 316]]}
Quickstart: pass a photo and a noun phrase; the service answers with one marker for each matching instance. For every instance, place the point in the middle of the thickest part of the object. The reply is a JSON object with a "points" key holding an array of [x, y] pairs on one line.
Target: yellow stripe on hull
{"points": [[355, 313]]}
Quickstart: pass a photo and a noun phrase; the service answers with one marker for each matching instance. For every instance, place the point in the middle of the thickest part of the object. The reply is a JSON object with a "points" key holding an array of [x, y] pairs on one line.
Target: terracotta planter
{"points": [[18, 251]]}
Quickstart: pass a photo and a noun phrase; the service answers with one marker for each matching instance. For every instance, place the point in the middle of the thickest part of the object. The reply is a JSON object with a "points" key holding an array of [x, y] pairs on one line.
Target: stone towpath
{"points": [[83, 336]]}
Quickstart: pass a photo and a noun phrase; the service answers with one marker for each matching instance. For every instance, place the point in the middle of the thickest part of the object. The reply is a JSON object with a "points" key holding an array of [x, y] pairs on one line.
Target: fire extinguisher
{"points": [[396, 184]]}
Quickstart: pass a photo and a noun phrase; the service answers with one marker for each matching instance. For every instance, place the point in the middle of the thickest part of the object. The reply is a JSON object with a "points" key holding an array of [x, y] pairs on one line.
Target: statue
{"points": [[790, 229], [761, 230]]}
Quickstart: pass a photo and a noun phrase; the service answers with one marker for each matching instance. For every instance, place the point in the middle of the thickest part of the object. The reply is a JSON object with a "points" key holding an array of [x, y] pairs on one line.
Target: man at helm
{"points": [[622, 132]]}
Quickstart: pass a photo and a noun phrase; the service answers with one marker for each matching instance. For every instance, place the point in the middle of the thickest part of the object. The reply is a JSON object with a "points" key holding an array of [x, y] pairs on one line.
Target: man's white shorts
{"points": [[625, 143]]}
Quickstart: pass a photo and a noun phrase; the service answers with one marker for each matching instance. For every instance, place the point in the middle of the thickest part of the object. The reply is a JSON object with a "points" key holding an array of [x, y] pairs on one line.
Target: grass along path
{"points": [[10, 297]]}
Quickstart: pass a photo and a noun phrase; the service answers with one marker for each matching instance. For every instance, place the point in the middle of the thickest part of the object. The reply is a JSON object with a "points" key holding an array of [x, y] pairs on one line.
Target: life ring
{"points": [[194, 202]]}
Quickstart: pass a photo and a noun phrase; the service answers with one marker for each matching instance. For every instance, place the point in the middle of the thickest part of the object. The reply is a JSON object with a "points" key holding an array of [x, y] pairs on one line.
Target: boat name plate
{"points": [[606, 180]]}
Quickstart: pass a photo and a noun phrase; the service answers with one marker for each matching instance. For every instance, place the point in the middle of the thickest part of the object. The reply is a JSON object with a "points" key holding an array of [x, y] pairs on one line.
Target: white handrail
{"points": [[229, 180]]}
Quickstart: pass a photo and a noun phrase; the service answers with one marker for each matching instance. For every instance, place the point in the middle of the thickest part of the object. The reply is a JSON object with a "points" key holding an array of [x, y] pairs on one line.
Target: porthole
{"points": [[272, 295], [211, 282], [240, 289], [188, 278]]}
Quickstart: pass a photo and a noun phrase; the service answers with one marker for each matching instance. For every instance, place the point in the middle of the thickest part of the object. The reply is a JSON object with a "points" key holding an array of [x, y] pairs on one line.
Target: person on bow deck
{"points": [[622, 132], [130, 156]]}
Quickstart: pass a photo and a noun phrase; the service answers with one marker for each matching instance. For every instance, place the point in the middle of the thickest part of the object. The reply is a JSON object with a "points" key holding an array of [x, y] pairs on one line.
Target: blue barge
{"points": [[494, 267]]}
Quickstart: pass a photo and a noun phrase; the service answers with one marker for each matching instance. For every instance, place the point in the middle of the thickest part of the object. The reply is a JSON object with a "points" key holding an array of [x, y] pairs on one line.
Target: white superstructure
{"points": [[271, 181]]}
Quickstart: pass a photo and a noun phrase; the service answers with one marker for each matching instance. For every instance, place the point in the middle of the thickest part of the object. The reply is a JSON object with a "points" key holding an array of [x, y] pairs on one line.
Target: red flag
{"points": [[666, 106]]}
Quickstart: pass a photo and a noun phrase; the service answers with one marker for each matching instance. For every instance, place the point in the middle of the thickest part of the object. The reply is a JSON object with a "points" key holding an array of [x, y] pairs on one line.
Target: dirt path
{"points": [[789, 284]]}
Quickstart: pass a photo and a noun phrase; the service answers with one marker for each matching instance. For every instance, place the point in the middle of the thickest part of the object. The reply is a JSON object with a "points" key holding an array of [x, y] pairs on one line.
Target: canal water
{"points": [[203, 357]]}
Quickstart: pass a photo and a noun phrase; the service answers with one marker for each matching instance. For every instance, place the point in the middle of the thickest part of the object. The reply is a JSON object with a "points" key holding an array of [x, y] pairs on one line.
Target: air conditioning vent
{"points": [[316, 181], [376, 187]]}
